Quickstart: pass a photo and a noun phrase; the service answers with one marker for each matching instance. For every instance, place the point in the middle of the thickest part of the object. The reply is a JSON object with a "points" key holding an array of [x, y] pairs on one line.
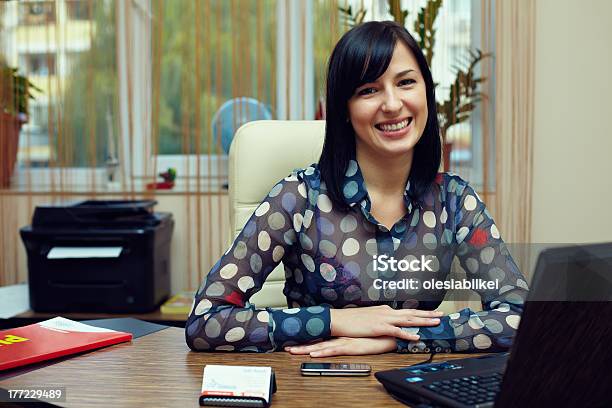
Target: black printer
{"points": [[98, 256]]}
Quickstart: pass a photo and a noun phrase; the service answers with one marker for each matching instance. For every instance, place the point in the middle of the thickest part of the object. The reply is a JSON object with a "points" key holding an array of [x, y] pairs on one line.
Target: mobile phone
{"points": [[340, 369]]}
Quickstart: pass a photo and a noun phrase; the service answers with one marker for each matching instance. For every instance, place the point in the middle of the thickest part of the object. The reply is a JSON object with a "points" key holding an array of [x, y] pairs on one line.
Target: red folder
{"points": [[53, 338]]}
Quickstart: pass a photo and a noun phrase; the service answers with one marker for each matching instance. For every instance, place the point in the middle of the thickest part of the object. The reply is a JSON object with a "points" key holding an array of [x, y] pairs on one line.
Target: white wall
{"points": [[572, 190]]}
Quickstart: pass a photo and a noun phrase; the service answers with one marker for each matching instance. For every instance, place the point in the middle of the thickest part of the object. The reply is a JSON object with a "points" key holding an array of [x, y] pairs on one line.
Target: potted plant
{"points": [[15, 93], [464, 90]]}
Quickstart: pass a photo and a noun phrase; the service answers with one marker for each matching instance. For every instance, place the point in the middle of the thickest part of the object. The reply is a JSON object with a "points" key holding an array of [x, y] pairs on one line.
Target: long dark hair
{"points": [[362, 55]]}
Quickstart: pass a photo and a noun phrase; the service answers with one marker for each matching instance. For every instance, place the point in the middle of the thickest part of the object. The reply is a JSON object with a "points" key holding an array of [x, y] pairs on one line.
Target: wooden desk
{"points": [[159, 370]]}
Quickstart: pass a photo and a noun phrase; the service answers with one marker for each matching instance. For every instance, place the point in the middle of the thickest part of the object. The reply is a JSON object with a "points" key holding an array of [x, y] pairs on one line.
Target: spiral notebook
{"points": [[237, 386]]}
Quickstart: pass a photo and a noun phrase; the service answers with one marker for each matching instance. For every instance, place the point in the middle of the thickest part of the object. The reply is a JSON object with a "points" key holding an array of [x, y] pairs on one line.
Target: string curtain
{"points": [[127, 89]]}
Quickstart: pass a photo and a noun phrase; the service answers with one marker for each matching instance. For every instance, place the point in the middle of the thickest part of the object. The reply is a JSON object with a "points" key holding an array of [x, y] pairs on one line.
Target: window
{"points": [[72, 121], [146, 77], [209, 53], [39, 64], [37, 12], [188, 60], [78, 9]]}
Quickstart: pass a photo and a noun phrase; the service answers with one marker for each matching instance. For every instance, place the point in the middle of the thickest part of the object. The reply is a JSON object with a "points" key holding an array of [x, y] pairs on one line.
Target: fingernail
{"points": [[314, 354], [435, 320], [287, 348], [439, 313]]}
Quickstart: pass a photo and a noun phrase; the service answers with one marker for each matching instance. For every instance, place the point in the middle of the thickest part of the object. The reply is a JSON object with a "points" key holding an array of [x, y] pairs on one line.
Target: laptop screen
{"points": [[561, 353]]}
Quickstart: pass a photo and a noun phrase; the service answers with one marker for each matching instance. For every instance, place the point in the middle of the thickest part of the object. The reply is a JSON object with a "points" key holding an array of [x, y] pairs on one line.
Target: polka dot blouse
{"points": [[328, 258]]}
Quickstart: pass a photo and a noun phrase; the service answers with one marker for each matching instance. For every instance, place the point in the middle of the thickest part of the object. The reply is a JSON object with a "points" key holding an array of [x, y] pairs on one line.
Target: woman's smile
{"points": [[395, 129]]}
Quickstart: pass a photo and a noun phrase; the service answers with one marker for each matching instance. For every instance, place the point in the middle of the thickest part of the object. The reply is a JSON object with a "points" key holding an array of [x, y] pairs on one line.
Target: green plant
{"points": [[352, 19], [15, 90], [464, 90]]}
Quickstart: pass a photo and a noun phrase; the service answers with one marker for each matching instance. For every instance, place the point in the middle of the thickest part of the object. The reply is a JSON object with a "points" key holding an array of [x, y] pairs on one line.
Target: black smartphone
{"points": [[336, 369]]}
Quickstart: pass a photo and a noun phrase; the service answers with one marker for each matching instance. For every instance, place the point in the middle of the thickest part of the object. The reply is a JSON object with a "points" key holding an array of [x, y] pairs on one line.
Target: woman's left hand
{"points": [[346, 346]]}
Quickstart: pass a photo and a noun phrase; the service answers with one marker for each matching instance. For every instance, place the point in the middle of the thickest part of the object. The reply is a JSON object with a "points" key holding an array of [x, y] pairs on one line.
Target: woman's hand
{"points": [[346, 346], [376, 321]]}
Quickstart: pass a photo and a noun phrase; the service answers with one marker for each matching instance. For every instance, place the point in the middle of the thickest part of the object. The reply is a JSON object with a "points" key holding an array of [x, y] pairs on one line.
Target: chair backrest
{"points": [[262, 153]]}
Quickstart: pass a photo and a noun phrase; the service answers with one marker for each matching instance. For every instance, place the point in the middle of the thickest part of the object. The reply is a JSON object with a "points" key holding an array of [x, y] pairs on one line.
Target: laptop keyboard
{"points": [[472, 390]]}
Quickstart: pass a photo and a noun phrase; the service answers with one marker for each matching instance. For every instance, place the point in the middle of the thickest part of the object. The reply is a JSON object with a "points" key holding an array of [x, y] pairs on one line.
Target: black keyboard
{"points": [[473, 390]]}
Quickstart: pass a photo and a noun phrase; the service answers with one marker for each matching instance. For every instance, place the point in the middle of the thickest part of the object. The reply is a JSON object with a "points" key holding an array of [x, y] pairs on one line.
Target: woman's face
{"points": [[390, 114]]}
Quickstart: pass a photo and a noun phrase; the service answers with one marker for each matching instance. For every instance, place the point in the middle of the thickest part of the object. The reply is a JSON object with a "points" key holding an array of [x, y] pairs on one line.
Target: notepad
{"points": [[237, 386]]}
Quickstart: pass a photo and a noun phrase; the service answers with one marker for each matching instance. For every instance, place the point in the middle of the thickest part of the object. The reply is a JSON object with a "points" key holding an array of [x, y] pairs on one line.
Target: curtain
{"points": [[514, 124]]}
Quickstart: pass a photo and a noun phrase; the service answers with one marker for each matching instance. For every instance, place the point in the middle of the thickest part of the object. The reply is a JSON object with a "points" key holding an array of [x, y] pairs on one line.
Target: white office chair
{"points": [[262, 153]]}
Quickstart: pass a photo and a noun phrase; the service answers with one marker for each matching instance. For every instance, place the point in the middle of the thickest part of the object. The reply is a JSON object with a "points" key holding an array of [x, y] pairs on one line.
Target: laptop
{"points": [[561, 354]]}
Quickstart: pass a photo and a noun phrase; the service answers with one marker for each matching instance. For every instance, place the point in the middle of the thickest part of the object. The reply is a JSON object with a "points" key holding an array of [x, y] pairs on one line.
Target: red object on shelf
{"points": [[161, 185], [168, 176]]}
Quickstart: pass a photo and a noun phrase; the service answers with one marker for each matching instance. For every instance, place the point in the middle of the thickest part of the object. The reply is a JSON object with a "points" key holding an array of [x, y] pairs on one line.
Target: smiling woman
{"points": [[376, 191]]}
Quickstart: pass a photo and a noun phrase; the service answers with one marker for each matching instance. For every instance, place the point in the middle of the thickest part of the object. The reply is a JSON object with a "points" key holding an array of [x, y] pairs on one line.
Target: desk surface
{"points": [[159, 370]]}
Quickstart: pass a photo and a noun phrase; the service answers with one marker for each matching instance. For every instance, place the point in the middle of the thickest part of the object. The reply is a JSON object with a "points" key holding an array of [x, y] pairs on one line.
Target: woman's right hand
{"points": [[376, 321]]}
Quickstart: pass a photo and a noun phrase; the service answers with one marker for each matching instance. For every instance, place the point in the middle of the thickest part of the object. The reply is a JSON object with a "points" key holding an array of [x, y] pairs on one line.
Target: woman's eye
{"points": [[366, 91], [408, 81]]}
